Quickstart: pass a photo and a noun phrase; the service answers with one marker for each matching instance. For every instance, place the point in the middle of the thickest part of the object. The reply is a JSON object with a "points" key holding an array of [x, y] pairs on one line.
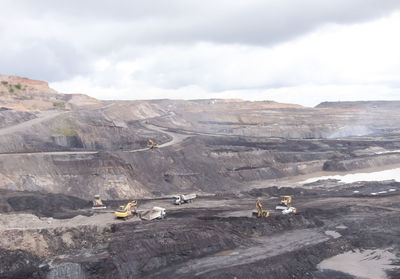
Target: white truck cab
{"points": [[179, 199]]}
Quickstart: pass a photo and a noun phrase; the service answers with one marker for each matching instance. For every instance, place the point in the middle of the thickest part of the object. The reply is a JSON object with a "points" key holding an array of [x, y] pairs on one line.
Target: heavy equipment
{"points": [[98, 203], [289, 210], [285, 203], [260, 212], [151, 144], [125, 212], [179, 199], [154, 213]]}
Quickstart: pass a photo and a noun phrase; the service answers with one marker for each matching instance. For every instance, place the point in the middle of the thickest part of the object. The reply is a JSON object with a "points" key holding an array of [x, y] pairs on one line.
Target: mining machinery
{"points": [[151, 144], [98, 203], [285, 205], [125, 212], [260, 213]]}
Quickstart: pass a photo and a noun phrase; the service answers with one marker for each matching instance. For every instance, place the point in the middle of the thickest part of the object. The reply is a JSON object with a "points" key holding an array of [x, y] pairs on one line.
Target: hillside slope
{"points": [[77, 145]]}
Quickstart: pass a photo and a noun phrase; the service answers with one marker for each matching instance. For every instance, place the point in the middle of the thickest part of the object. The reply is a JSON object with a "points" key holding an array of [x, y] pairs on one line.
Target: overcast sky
{"points": [[297, 51]]}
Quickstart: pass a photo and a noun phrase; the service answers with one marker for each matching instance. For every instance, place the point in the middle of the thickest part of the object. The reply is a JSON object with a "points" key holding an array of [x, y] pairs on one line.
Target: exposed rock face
{"points": [[26, 94], [204, 164], [9, 117], [29, 84], [82, 146], [266, 119]]}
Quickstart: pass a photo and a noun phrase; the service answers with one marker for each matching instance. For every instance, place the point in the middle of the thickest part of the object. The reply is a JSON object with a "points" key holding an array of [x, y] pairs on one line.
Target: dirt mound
{"points": [[42, 205], [18, 264]]}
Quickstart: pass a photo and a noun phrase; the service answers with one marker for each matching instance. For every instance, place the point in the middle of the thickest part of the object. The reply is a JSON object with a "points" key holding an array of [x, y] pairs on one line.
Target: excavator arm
{"points": [[124, 212], [260, 211], [151, 144]]}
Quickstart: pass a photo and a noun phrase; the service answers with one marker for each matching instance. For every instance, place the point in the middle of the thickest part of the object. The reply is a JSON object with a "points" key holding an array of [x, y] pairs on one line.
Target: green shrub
{"points": [[4, 82], [59, 104], [10, 89], [18, 86]]}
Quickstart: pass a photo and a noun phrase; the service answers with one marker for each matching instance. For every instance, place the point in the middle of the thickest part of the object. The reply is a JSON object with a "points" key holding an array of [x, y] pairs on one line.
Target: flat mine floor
{"points": [[216, 237]]}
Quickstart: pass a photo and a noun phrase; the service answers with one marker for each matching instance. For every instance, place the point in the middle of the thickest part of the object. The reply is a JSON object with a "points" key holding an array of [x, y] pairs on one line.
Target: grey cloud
{"points": [[180, 21], [103, 28], [41, 58]]}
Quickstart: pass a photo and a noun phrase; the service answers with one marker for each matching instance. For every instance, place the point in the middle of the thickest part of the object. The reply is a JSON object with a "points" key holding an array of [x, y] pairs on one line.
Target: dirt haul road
{"points": [[44, 116], [175, 137]]}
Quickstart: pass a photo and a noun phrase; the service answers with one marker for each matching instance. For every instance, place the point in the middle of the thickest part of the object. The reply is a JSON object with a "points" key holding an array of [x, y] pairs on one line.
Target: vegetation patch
{"points": [[65, 131], [59, 105]]}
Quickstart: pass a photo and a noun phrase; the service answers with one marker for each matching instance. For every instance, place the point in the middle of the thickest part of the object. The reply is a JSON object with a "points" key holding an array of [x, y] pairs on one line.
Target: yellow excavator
{"points": [[151, 144], [260, 212], [125, 212]]}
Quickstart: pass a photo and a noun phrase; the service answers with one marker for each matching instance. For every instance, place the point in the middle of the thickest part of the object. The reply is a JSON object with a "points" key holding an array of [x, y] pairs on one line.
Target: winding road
{"points": [[176, 138]]}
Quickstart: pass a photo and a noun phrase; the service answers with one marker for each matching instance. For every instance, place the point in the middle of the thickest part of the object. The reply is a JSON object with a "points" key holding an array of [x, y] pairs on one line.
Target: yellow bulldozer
{"points": [[285, 205], [285, 202], [260, 213], [151, 144], [124, 212], [98, 203]]}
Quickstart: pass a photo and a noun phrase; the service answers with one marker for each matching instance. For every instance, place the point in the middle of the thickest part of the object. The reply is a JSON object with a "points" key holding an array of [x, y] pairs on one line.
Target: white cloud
{"points": [[250, 49], [336, 62]]}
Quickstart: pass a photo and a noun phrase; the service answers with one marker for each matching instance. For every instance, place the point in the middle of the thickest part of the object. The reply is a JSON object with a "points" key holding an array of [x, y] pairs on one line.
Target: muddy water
{"points": [[365, 176], [364, 264]]}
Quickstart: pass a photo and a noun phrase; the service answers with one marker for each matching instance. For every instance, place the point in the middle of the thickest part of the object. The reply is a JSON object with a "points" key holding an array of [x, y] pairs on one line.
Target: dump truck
{"points": [[98, 203], [125, 212], [179, 199], [154, 213], [289, 210]]}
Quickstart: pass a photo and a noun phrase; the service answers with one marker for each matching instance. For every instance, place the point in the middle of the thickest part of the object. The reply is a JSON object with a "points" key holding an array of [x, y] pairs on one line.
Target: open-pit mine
{"points": [[196, 189]]}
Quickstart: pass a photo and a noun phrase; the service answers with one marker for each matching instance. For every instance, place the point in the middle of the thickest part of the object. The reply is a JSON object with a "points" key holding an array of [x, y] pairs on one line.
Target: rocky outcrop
{"points": [[203, 164], [229, 142], [27, 84], [363, 162]]}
